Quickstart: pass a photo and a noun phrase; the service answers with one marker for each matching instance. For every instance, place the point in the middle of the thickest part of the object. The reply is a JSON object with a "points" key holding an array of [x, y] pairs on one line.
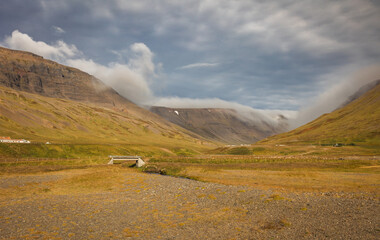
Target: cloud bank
{"points": [[335, 95]]}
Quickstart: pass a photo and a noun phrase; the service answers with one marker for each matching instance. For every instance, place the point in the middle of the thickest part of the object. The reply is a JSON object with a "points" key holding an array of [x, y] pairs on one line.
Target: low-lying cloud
{"points": [[336, 95], [258, 117], [131, 80]]}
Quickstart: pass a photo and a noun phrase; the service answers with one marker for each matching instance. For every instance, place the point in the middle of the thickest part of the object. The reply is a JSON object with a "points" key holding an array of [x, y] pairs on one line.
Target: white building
{"points": [[9, 140]]}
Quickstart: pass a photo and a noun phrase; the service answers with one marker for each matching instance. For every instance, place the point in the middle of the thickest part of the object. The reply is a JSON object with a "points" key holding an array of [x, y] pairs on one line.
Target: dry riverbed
{"points": [[111, 202]]}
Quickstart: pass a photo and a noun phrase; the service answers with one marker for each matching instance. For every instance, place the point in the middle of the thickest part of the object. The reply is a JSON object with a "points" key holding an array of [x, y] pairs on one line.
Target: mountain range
{"points": [[27, 72], [42, 100], [221, 124]]}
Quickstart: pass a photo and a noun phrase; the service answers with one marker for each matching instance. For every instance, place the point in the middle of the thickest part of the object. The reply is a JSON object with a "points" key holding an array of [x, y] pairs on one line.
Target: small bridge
{"points": [[121, 159]]}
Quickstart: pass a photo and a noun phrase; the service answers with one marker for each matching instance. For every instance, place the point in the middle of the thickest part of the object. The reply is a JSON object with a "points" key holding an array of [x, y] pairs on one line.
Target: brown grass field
{"points": [[286, 168], [263, 195]]}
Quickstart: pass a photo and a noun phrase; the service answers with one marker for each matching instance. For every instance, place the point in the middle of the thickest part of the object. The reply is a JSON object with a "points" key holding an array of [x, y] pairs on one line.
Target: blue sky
{"points": [[262, 54]]}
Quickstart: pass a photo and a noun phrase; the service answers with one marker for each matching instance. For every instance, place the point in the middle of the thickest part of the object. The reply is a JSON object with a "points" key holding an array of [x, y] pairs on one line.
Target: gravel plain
{"points": [[150, 206]]}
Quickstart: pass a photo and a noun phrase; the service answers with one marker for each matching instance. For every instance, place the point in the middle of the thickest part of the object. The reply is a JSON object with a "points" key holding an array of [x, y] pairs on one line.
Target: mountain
{"points": [[31, 73], [27, 72], [356, 122], [223, 125], [42, 100]]}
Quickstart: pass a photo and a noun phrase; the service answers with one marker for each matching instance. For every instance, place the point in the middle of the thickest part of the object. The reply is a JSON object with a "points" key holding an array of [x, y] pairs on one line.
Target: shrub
{"points": [[239, 151]]}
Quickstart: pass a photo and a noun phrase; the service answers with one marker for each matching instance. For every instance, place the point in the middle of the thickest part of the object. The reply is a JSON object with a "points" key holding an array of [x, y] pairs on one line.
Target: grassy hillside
{"points": [[60, 121], [27, 72], [356, 123]]}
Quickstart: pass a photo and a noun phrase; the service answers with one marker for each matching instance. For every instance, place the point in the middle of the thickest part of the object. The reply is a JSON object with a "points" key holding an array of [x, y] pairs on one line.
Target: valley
{"points": [[209, 173]]}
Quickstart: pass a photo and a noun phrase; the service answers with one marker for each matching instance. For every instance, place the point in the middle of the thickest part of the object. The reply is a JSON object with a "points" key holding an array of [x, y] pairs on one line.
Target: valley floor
{"points": [[112, 202]]}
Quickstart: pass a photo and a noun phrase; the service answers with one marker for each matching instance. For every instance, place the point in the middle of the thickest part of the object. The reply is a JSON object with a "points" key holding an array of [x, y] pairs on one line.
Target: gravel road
{"points": [[161, 207]]}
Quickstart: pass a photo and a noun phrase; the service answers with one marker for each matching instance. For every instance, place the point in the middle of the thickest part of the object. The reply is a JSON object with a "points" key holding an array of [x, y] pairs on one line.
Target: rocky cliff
{"points": [[24, 71], [31, 73]]}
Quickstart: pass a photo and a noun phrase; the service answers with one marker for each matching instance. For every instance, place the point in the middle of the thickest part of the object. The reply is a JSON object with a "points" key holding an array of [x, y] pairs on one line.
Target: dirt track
{"points": [[160, 207]]}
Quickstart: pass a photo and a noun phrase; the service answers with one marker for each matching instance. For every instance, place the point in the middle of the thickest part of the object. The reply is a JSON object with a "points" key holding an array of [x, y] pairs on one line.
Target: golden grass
{"points": [[290, 180], [300, 171], [43, 119], [304, 150], [74, 181]]}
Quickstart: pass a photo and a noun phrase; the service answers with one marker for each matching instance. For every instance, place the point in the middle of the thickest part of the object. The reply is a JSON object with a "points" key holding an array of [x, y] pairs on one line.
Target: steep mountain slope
{"points": [[31, 73], [39, 118], [43, 101], [224, 125], [356, 122]]}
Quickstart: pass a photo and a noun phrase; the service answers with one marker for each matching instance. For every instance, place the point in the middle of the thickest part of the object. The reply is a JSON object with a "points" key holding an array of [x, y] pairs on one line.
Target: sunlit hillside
{"points": [[42, 119], [356, 123]]}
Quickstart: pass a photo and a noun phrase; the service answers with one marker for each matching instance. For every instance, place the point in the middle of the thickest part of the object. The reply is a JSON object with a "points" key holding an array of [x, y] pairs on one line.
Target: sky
{"points": [[293, 56]]}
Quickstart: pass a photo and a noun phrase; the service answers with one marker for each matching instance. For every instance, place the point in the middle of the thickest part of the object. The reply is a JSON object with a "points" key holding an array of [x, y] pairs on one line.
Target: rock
{"points": [[140, 163]]}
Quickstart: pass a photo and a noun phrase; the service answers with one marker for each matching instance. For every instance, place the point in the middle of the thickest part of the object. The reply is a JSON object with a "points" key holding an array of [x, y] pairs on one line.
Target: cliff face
{"points": [[28, 72], [24, 71], [223, 125]]}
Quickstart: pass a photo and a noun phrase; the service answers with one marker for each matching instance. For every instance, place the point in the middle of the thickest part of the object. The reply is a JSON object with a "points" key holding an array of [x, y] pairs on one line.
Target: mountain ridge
{"points": [[220, 124]]}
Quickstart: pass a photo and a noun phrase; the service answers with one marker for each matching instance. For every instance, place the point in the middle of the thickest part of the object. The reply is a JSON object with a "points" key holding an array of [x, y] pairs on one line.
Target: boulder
{"points": [[140, 163]]}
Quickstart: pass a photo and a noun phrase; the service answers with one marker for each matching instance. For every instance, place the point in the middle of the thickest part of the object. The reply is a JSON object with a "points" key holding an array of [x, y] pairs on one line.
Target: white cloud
{"points": [[123, 78], [57, 51], [199, 65], [58, 30], [131, 80], [142, 62]]}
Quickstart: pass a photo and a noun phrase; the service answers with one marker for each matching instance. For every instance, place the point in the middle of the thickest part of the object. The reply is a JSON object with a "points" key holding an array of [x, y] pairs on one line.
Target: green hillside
{"points": [[356, 123]]}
